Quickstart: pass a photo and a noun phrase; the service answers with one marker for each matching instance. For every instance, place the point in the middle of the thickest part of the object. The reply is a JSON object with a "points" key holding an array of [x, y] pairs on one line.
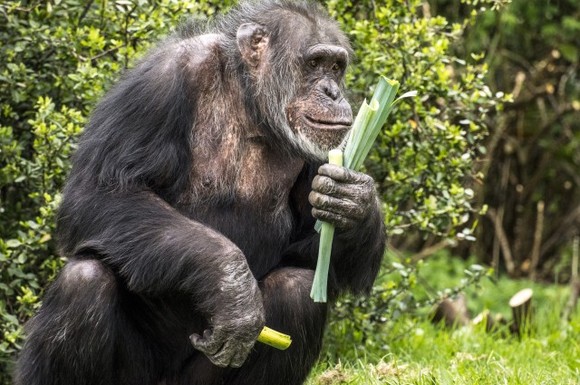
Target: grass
{"points": [[414, 351]]}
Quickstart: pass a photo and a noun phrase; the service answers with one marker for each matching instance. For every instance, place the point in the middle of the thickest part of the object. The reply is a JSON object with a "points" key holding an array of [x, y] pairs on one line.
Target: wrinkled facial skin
{"points": [[320, 115]]}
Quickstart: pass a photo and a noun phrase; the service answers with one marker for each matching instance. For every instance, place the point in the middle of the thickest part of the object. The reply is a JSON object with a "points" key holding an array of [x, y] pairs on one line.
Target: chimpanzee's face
{"points": [[319, 115], [297, 66]]}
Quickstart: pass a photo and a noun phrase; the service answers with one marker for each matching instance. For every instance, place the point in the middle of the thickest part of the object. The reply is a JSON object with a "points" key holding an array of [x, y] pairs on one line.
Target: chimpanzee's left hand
{"points": [[342, 197]]}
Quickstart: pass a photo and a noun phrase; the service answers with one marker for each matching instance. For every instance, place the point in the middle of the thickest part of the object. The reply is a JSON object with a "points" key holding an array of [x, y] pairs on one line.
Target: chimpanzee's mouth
{"points": [[324, 124]]}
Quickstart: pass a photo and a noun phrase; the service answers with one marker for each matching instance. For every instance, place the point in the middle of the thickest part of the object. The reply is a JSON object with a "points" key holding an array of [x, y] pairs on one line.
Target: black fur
{"points": [[155, 211]]}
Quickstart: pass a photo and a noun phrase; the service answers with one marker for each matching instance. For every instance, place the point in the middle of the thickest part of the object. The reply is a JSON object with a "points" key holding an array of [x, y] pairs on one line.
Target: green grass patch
{"points": [[412, 350]]}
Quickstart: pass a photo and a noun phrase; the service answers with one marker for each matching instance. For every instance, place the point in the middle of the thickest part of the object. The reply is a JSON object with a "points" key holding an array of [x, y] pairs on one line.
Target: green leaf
{"points": [[13, 243]]}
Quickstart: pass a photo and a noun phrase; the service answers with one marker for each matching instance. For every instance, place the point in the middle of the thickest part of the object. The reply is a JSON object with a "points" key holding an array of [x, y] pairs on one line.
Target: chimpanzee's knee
{"points": [[71, 339], [286, 294], [90, 275], [290, 310]]}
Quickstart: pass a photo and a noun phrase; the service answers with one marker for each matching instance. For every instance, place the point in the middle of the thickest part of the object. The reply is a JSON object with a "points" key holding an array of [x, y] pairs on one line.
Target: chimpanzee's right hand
{"points": [[237, 321]]}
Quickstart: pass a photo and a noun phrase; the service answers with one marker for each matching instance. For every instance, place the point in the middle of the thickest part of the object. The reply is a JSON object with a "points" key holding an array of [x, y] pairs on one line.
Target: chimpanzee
{"points": [[187, 219]]}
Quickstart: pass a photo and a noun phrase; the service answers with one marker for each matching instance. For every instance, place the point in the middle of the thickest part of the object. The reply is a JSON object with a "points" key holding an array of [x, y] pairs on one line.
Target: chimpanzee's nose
{"points": [[330, 89]]}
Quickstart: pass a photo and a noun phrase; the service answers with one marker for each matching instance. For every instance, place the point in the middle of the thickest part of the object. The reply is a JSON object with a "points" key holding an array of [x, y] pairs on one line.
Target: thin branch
{"points": [[500, 214], [431, 250], [574, 282], [85, 11], [575, 256], [518, 59], [567, 225], [535, 259], [543, 131], [518, 104], [110, 50], [503, 241]]}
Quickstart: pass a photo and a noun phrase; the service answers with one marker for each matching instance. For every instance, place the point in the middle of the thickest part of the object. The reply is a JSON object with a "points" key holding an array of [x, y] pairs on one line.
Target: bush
{"points": [[426, 153]]}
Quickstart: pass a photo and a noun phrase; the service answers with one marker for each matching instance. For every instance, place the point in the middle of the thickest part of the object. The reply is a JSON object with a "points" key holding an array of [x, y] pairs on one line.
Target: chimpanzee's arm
{"points": [[359, 242], [155, 250]]}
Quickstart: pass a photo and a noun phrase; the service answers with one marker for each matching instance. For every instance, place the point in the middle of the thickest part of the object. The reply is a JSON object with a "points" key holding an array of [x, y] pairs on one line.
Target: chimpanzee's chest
{"points": [[242, 190], [247, 174]]}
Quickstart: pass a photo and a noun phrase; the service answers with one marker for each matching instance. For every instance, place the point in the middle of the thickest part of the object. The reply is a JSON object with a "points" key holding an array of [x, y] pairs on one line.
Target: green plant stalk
{"points": [[363, 118], [370, 118], [383, 100], [319, 285]]}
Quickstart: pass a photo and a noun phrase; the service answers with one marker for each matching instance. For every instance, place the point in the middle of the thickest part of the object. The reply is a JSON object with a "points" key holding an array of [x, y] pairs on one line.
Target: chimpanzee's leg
{"points": [[80, 335], [290, 310]]}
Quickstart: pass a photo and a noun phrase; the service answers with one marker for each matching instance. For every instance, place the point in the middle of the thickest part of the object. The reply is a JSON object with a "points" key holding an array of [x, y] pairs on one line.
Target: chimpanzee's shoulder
{"points": [[199, 51]]}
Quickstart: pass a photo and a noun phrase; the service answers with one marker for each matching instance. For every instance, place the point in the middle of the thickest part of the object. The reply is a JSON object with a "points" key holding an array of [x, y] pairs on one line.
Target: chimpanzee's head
{"points": [[295, 59]]}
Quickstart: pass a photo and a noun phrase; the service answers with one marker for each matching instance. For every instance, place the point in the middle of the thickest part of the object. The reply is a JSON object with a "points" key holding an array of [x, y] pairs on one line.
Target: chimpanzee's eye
{"points": [[313, 63], [335, 67]]}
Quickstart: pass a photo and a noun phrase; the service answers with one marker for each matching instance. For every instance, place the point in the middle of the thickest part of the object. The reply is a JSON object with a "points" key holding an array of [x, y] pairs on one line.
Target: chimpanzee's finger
{"points": [[341, 206], [208, 344], [232, 354], [222, 358], [326, 185], [335, 219], [343, 174]]}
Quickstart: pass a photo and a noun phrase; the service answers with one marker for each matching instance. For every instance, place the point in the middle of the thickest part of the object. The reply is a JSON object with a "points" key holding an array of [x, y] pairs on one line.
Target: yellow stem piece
{"points": [[274, 338]]}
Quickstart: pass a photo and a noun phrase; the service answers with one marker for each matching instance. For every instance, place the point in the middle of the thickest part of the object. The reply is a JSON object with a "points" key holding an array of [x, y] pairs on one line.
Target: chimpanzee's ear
{"points": [[252, 42]]}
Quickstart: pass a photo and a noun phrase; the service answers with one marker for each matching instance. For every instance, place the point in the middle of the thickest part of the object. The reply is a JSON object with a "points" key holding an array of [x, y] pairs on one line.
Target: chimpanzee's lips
{"points": [[328, 124]]}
